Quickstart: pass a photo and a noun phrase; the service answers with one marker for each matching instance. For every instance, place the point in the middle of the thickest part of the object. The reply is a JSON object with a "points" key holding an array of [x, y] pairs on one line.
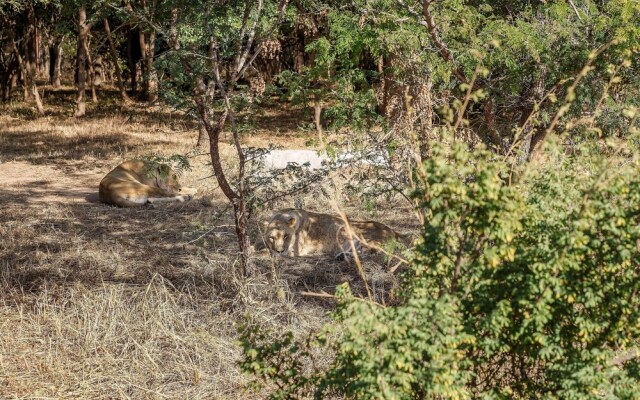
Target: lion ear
{"points": [[292, 221], [264, 224]]}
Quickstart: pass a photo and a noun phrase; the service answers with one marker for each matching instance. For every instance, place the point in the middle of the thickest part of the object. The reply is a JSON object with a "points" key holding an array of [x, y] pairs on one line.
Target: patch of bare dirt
{"points": [[25, 183]]}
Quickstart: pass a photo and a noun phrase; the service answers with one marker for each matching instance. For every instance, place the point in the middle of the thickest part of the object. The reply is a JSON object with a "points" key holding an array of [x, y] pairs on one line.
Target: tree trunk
{"points": [[533, 136], [425, 100], [55, 61], [45, 65], [36, 50], [298, 61], [8, 76], [13, 82], [89, 63], [142, 42], [5, 86], [31, 57], [5, 91], [491, 137], [81, 62], [202, 136], [173, 31], [240, 212], [98, 70], [114, 59], [149, 79], [30, 87], [388, 86], [237, 199], [133, 50], [317, 114], [152, 78], [109, 71]]}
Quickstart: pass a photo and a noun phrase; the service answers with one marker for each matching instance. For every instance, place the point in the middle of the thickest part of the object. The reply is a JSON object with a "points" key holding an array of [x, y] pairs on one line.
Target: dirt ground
{"points": [[29, 184], [101, 302]]}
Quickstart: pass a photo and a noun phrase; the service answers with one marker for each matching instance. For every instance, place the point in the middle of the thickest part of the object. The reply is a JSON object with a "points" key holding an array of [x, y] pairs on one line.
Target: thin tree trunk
{"points": [[99, 76], [143, 65], [240, 211], [5, 91], [92, 73], [45, 66], [299, 52], [57, 69], [55, 61], [202, 135], [36, 49], [13, 82], [317, 114], [298, 58], [173, 31], [31, 56], [237, 199], [241, 216], [29, 83], [492, 136], [152, 78], [147, 48], [132, 60], [81, 62], [114, 59], [6, 81], [426, 117], [533, 136]]}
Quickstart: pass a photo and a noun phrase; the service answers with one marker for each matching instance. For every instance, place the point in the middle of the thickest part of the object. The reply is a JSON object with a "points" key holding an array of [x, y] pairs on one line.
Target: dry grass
{"points": [[100, 302]]}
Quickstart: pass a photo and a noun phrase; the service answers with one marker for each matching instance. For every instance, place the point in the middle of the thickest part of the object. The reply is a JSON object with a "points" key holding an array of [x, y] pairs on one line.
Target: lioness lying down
{"points": [[130, 184], [297, 233]]}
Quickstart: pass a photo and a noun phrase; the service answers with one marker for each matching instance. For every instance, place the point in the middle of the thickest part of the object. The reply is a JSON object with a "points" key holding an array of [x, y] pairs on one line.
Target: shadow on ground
{"points": [[191, 245], [41, 147], [60, 103]]}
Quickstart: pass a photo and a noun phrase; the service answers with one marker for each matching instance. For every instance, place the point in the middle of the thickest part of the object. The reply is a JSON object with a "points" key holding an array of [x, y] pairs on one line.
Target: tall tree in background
{"points": [[83, 32], [114, 58], [144, 14]]}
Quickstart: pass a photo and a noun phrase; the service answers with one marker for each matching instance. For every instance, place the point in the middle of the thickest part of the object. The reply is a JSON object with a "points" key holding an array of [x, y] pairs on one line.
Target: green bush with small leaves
{"points": [[525, 291]]}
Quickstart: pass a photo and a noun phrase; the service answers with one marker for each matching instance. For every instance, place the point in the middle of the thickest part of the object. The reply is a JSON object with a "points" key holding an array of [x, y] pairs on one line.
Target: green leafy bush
{"points": [[514, 291]]}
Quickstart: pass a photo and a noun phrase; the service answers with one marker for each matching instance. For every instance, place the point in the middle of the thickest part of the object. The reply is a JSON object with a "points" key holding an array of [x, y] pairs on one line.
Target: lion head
{"points": [[280, 231], [166, 178]]}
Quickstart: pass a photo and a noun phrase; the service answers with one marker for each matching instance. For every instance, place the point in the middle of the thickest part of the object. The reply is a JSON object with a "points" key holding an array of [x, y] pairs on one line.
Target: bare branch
{"points": [[332, 296], [283, 5], [252, 35], [241, 35], [575, 9], [350, 236]]}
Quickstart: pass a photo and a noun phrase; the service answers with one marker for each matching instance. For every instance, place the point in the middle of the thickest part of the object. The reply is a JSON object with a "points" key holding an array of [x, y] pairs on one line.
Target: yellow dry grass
{"points": [[100, 302]]}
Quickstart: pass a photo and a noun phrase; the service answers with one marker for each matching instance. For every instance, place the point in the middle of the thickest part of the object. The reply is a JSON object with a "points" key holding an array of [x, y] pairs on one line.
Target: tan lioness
{"points": [[298, 233], [130, 184]]}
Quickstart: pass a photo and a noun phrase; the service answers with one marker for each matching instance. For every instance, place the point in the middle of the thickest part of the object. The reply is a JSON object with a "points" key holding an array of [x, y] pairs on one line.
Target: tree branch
{"points": [[282, 6], [426, 19]]}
